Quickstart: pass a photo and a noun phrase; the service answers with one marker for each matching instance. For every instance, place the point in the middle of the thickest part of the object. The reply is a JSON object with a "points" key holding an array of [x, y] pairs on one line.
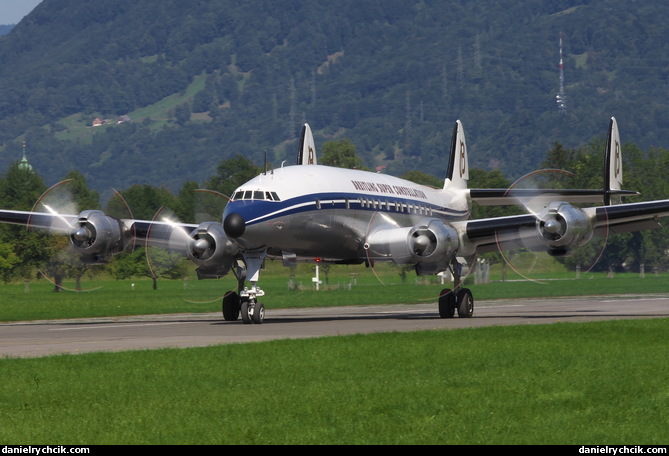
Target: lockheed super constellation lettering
{"points": [[389, 189]]}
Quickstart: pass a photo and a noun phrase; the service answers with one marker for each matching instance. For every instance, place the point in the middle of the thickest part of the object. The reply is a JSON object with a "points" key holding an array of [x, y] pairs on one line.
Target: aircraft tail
{"points": [[306, 152], [457, 174], [613, 170]]}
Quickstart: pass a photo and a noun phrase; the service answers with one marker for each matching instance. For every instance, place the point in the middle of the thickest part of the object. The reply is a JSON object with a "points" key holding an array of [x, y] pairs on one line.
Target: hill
{"points": [[203, 81]]}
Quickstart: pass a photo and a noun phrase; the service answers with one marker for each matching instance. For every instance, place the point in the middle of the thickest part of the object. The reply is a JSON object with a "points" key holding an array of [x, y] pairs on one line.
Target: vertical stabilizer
{"points": [[613, 171], [306, 153], [458, 166]]}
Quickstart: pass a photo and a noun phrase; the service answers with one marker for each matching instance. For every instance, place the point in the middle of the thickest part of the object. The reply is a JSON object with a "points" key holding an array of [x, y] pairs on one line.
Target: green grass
{"points": [[347, 286], [585, 383]]}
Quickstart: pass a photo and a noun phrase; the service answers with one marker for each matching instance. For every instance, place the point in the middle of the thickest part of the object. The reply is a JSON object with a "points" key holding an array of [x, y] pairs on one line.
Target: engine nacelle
{"points": [[430, 245], [211, 250], [97, 237], [433, 246], [562, 227]]}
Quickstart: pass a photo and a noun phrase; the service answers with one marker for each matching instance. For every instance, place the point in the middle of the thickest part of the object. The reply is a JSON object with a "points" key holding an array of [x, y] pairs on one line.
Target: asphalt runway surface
{"points": [[50, 337]]}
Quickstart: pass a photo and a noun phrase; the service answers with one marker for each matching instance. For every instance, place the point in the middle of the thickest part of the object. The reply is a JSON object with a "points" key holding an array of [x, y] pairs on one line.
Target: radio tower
{"points": [[561, 98]]}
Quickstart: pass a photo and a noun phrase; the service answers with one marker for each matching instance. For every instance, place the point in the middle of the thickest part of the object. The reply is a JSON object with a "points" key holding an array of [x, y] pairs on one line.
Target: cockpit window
{"points": [[255, 195]]}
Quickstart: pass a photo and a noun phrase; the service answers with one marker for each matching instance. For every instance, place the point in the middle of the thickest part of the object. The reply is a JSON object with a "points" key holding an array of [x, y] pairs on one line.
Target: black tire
{"points": [[246, 318], [231, 306], [465, 303], [447, 303], [258, 313]]}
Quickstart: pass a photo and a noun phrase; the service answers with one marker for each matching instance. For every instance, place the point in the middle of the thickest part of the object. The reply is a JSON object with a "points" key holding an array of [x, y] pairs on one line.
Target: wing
{"points": [[154, 232], [560, 226], [97, 237]]}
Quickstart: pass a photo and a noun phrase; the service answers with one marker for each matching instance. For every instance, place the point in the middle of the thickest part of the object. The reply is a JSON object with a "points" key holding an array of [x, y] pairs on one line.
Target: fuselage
{"points": [[315, 211]]}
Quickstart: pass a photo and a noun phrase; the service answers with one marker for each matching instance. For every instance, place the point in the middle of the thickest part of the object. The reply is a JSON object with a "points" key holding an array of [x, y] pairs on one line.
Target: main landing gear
{"points": [[244, 301], [460, 299]]}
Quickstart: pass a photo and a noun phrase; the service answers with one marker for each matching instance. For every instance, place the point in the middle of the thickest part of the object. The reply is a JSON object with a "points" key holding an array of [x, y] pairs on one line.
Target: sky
{"points": [[12, 11]]}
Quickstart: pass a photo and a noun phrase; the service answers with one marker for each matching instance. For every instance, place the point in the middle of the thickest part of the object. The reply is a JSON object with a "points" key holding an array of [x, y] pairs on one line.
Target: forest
{"points": [[27, 254], [204, 81], [157, 98]]}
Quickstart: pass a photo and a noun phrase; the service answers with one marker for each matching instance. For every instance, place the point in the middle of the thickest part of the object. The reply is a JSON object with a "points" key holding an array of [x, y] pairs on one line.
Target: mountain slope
{"points": [[390, 75]]}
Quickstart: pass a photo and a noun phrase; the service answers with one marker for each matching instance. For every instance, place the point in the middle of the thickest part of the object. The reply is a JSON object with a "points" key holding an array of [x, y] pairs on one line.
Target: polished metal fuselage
{"points": [[328, 213]]}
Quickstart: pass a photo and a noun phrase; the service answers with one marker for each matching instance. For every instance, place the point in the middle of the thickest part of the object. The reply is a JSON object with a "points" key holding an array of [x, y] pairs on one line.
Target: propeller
{"points": [[172, 247], [69, 234], [524, 251]]}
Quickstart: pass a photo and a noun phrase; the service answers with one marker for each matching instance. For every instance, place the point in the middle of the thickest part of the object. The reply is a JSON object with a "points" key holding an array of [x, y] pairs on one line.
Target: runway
{"points": [[50, 337]]}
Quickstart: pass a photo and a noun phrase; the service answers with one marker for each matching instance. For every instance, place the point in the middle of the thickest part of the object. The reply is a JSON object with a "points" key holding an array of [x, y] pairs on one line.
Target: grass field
{"points": [[354, 285], [584, 383]]}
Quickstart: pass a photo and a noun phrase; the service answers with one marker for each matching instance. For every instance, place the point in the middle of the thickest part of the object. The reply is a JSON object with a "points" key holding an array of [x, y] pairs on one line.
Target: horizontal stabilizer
{"points": [[612, 192], [509, 197]]}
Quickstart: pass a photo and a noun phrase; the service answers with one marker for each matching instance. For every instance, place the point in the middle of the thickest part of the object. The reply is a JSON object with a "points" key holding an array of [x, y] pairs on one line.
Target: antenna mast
{"points": [[561, 97]]}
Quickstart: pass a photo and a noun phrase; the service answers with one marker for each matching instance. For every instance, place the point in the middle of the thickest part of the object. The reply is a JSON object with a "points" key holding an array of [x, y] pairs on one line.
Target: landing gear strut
{"points": [[460, 299], [245, 300]]}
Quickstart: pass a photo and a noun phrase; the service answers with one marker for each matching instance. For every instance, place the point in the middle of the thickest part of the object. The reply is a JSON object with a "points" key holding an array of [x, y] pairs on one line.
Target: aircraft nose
{"points": [[234, 225]]}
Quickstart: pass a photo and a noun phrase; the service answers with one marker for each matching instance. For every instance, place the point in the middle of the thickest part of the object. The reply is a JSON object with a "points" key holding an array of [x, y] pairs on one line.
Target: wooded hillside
{"points": [[203, 81]]}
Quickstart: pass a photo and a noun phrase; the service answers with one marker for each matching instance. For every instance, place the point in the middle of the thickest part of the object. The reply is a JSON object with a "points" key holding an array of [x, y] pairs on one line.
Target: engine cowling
{"points": [[96, 237], [211, 250], [430, 245], [562, 227]]}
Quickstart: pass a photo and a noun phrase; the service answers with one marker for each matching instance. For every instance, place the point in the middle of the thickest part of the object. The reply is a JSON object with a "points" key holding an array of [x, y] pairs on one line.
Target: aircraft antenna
{"points": [[561, 97]]}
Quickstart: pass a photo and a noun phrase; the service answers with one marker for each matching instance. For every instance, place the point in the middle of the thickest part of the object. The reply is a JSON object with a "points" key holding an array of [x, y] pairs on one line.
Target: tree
{"points": [[20, 189], [8, 260], [341, 154], [182, 113], [161, 264], [232, 173], [83, 196], [145, 201], [422, 178]]}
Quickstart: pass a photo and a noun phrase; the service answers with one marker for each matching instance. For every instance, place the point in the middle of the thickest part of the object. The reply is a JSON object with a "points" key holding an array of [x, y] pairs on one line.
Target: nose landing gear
{"points": [[245, 301]]}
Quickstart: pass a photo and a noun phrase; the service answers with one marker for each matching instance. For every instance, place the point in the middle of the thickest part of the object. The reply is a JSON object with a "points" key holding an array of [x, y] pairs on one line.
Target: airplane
{"points": [[320, 214]]}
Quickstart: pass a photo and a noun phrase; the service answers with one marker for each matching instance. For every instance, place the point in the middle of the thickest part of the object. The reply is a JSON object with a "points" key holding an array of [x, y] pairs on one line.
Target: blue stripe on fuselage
{"points": [[257, 211]]}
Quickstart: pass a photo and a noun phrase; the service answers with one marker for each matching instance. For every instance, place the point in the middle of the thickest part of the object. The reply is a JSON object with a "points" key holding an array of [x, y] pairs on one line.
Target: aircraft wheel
{"points": [[446, 303], [231, 306], [246, 308], [465, 303], [258, 313]]}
